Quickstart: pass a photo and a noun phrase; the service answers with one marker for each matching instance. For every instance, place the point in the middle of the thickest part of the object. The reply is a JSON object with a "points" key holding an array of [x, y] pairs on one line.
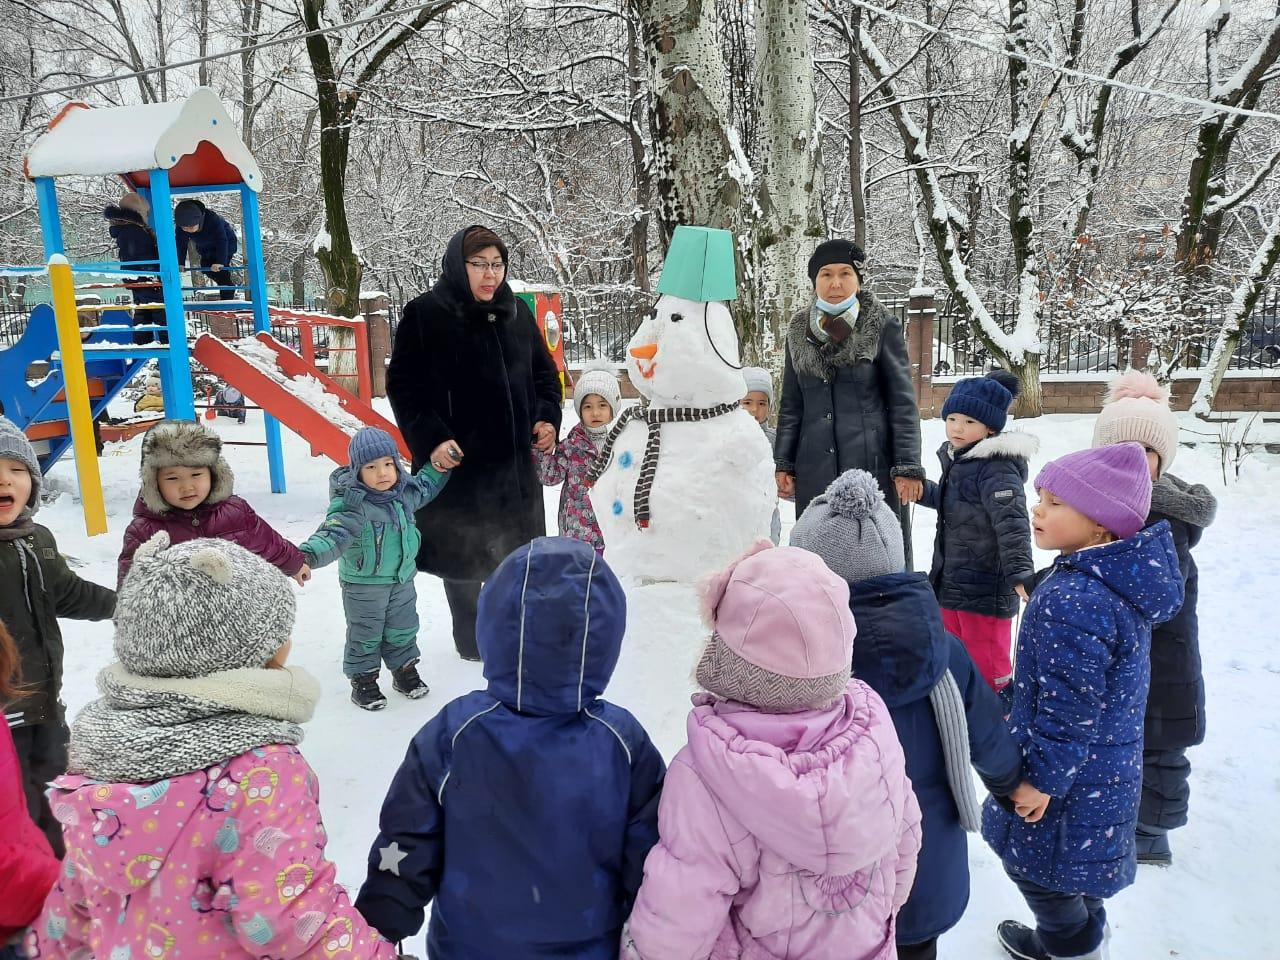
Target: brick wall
{"points": [[1237, 394]]}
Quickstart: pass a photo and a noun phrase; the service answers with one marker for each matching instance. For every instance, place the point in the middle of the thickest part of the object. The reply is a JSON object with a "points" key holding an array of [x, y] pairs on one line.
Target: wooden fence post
{"points": [[378, 324], [921, 319]]}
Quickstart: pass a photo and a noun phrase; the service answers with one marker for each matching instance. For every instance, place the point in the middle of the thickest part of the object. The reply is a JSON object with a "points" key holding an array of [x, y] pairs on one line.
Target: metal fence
{"points": [[1072, 345]]}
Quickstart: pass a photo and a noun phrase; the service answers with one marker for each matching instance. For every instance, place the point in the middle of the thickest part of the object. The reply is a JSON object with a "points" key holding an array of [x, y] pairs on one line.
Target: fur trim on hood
{"points": [[178, 443], [1009, 445], [1191, 503]]}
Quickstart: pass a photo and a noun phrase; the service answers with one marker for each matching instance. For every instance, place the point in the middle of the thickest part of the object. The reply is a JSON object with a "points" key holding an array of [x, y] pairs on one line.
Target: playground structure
{"points": [[165, 150], [545, 305]]}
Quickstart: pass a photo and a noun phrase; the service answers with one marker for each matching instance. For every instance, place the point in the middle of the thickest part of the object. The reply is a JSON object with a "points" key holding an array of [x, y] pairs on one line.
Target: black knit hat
{"points": [[836, 251], [189, 213]]}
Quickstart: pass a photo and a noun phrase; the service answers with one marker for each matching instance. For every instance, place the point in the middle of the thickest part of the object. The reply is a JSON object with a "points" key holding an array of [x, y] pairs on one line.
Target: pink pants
{"points": [[988, 640]]}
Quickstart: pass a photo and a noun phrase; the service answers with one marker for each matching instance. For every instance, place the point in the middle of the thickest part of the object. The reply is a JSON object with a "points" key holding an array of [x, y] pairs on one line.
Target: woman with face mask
{"points": [[848, 400]]}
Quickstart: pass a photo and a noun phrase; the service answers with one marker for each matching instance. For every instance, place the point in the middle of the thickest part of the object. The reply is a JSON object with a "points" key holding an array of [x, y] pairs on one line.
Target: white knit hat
{"points": [[598, 377], [759, 380], [1136, 410]]}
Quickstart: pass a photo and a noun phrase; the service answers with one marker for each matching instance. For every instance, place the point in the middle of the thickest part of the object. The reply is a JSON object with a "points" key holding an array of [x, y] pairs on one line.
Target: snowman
{"points": [[685, 482]]}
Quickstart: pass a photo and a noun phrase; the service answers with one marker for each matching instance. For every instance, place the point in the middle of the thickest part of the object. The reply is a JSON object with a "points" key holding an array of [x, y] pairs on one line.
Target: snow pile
{"points": [[303, 386]]}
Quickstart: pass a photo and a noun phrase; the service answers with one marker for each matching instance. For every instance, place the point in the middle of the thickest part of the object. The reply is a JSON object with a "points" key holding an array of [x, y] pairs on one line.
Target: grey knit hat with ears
{"points": [[14, 445], [852, 529], [200, 607]]}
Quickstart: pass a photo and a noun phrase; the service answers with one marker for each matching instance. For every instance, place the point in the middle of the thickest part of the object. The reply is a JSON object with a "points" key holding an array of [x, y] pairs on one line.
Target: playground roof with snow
{"points": [[194, 139]]}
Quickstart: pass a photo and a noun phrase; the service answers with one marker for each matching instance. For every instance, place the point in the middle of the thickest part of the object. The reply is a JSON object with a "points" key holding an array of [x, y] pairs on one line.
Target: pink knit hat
{"points": [[1109, 485], [783, 632], [1136, 409]]}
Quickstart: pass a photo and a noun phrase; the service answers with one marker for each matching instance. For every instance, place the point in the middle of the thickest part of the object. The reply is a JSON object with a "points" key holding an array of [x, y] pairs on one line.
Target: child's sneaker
{"points": [[406, 681], [1020, 941], [365, 693]]}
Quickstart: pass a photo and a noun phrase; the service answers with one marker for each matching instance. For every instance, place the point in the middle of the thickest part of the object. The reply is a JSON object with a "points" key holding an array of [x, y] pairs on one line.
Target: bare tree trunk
{"points": [[790, 189], [1246, 298], [639, 158], [857, 192], [202, 39]]}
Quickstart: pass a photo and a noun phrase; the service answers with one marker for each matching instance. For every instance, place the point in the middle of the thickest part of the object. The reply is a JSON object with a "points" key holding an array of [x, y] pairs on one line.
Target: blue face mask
{"points": [[835, 309]]}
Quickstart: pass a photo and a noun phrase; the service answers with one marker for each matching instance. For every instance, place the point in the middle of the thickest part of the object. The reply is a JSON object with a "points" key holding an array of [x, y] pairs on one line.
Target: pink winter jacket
{"points": [[222, 863], [780, 836]]}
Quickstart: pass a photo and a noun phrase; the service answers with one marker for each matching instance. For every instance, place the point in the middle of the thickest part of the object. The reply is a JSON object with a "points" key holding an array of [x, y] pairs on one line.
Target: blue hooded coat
{"points": [[526, 810], [215, 241], [901, 652], [1079, 696]]}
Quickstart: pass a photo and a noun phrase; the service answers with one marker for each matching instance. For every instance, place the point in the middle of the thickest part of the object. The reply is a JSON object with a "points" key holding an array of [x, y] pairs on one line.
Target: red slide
{"points": [[303, 398]]}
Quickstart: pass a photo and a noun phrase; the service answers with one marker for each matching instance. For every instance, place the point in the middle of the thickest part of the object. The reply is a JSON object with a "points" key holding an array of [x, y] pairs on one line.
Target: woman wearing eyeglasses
{"points": [[474, 390]]}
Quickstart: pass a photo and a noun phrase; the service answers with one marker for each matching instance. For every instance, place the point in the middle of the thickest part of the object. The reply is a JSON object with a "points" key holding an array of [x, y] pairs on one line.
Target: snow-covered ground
{"points": [[1218, 900]]}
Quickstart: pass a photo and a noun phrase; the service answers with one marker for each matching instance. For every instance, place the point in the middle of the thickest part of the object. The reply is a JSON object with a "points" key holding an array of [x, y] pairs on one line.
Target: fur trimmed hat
{"points": [[598, 377], [1136, 409], [200, 607], [852, 529], [14, 445], [182, 443], [782, 633]]}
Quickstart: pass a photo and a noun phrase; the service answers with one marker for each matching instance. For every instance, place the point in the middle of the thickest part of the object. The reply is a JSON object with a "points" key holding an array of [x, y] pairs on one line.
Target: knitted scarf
{"points": [[150, 728], [24, 526], [596, 435], [654, 418], [953, 728]]}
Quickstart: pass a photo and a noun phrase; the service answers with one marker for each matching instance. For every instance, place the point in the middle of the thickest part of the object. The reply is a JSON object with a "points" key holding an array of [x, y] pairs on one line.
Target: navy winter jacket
{"points": [[525, 811], [132, 234], [901, 652], [982, 549], [215, 241], [1079, 695], [1175, 706]]}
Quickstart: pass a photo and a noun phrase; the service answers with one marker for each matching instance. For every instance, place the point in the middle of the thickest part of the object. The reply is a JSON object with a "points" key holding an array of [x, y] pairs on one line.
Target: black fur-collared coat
{"points": [[480, 374]]}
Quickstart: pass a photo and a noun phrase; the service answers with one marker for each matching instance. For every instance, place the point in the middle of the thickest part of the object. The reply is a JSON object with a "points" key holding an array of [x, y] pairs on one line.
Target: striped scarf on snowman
{"points": [[653, 418]]}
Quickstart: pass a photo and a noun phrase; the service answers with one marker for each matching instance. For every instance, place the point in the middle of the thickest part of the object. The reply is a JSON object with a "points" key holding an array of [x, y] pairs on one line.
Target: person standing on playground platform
{"points": [[136, 243], [215, 242]]}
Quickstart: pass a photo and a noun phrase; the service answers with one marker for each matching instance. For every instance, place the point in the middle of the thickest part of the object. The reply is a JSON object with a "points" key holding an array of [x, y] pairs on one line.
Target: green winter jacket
{"points": [[36, 588], [372, 535]]}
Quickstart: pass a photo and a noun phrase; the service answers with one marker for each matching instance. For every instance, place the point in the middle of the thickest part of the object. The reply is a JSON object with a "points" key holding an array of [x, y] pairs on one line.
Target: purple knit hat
{"points": [[1109, 485]]}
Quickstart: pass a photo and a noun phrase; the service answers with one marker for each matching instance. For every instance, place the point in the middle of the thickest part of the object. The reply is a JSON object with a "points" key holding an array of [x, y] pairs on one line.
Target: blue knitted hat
{"points": [[985, 399], [369, 444]]}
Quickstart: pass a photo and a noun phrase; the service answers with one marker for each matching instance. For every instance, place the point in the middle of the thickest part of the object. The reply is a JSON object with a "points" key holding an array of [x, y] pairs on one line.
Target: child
{"points": [[945, 715], [36, 588], [787, 826], [1078, 698], [757, 402], [596, 397], [1137, 409], [27, 864], [191, 819], [370, 531], [524, 810], [187, 492], [151, 400], [229, 402], [136, 243], [982, 550], [214, 240]]}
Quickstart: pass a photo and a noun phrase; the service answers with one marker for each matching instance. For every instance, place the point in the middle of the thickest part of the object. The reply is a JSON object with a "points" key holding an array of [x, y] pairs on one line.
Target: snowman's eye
{"points": [[677, 317]]}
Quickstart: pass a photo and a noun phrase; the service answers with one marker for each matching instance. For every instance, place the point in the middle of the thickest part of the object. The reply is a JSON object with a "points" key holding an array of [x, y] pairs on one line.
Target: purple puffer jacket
{"points": [[569, 465], [228, 519], [780, 836]]}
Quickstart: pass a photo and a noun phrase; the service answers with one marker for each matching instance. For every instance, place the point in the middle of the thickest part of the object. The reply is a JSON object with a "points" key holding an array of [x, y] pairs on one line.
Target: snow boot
{"points": [[1153, 846], [406, 681], [1020, 941], [365, 693]]}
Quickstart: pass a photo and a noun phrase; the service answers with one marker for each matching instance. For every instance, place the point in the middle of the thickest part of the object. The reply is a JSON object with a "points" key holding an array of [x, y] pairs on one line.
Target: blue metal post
{"points": [[50, 222], [175, 362], [256, 277]]}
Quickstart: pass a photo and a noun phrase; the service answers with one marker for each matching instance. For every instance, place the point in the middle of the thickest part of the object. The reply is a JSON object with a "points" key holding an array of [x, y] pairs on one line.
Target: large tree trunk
{"points": [[857, 193], [790, 189]]}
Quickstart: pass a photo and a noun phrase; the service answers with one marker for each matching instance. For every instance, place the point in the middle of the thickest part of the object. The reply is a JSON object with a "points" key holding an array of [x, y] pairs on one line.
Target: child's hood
{"points": [[901, 649], [550, 627], [811, 787], [123, 833], [1142, 570], [1191, 503], [176, 443], [1009, 445]]}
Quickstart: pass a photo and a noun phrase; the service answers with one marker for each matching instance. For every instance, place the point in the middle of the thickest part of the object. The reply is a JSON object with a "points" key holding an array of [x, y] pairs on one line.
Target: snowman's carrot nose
{"points": [[645, 352]]}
